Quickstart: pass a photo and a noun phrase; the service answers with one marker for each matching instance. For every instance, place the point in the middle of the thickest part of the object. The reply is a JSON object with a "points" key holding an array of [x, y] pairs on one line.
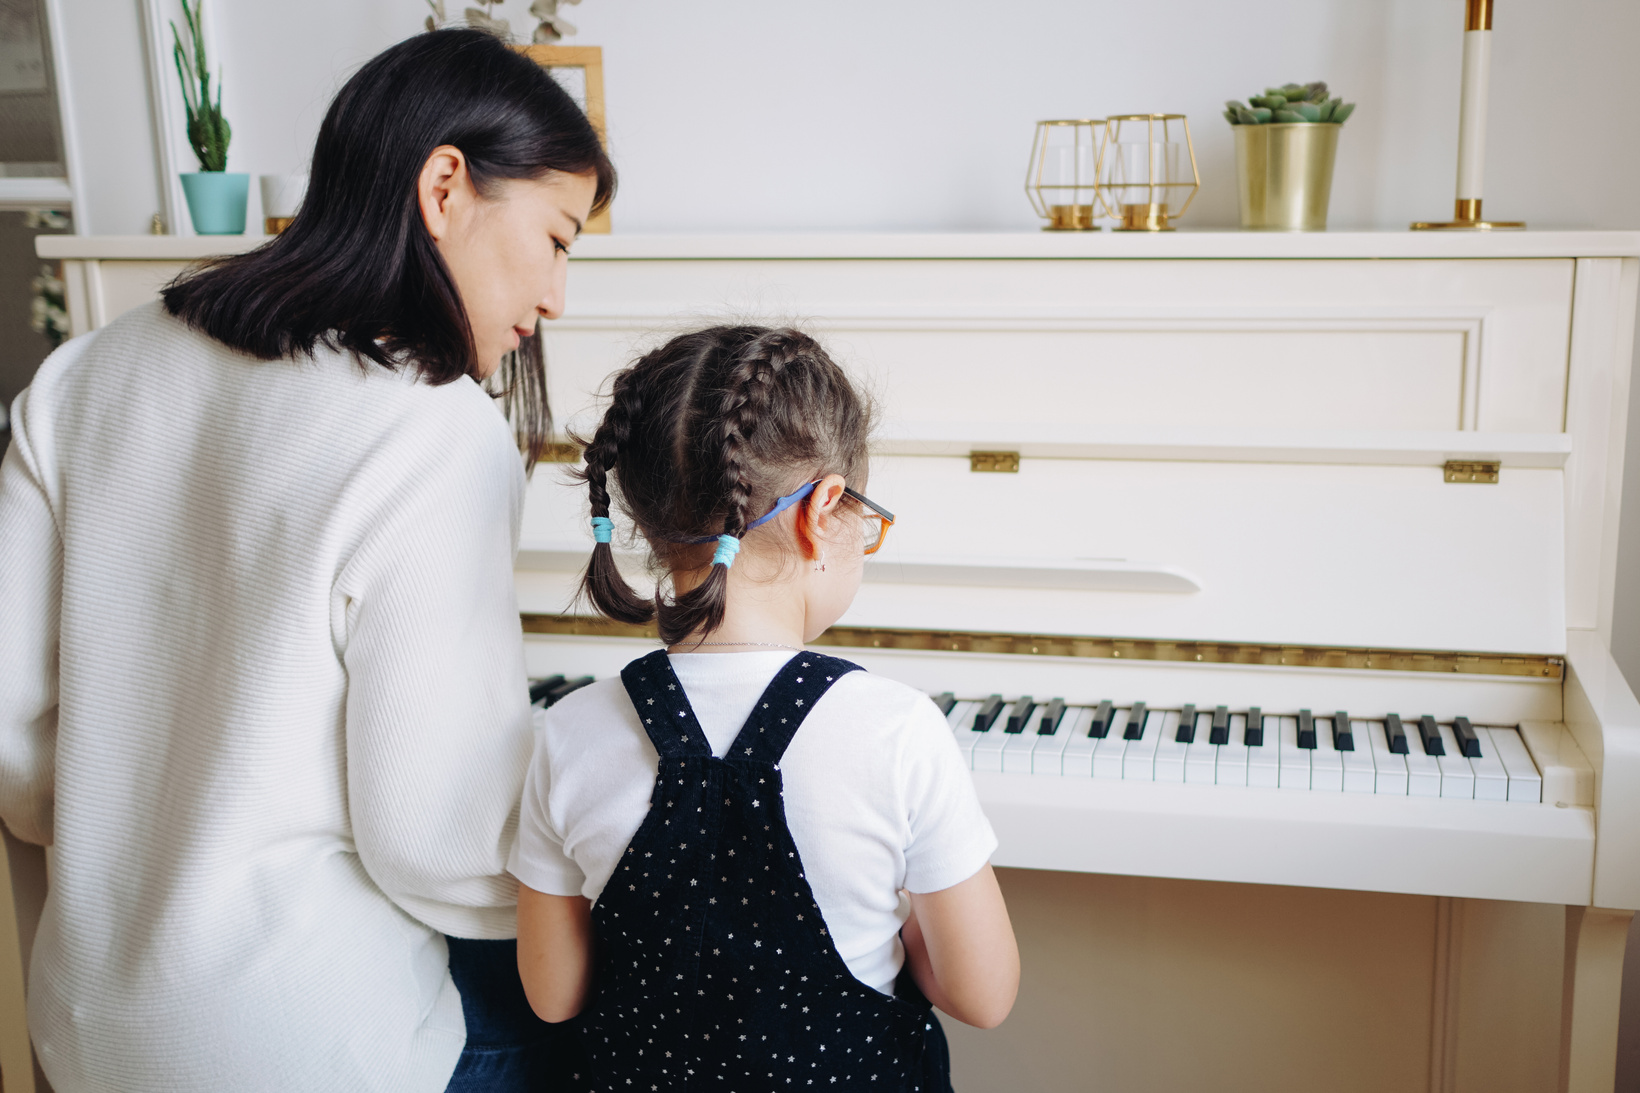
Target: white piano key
{"points": [[1264, 761], [1077, 761], [1045, 757], [1201, 758], [1326, 764], [1139, 757], [1389, 769], [1295, 761], [1170, 752], [1423, 771], [961, 719], [1491, 779], [987, 748], [1017, 748], [1231, 761], [1107, 758], [1360, 773], [1457, 776], [1525, 783]]}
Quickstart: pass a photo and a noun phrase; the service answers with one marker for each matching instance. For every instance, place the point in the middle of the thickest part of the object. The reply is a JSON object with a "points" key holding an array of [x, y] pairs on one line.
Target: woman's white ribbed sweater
{"points": [[262, 687]]}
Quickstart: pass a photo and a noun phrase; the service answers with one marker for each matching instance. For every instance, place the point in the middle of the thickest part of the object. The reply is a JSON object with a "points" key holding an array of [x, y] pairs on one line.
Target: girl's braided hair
{"points": [[701, 437]]}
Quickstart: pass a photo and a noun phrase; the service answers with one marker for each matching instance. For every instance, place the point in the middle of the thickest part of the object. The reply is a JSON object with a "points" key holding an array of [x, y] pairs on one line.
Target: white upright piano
{"points": [[1267, 581]]}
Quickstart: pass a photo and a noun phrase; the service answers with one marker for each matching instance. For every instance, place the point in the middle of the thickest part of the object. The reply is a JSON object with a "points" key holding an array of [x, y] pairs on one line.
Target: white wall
{"points": [[748, 115]]}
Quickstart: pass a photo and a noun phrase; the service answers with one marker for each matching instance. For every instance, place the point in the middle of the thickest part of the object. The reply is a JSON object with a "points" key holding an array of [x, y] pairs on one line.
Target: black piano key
{"points": [[1431, 735], [1343, 735], [1187, 726], [1469, 742], [1253, 737], [945, 703], [1395, 733], [1020, 714], [1051, 716], [1100, 725], [1220, 732], [540, 687], [988, 711], [1136, 722], [567, 686], [1306, 729]]}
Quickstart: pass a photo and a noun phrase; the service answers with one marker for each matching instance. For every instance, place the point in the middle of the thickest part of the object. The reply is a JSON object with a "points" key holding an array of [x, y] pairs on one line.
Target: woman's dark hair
{"points": [[702, 436], [357, 268]]}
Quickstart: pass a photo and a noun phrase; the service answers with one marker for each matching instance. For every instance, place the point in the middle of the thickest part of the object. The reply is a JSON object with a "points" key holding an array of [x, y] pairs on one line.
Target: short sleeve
{"points": [[950, 838], [538, 858]]}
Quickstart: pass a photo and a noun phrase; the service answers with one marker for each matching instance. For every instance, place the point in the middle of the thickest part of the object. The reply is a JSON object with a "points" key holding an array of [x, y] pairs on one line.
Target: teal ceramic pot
{"points": [[216, 201]]}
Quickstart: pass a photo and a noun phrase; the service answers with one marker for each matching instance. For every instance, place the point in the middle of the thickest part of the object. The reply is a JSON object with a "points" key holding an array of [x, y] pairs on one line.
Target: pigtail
{"points": [[745, 402], [602, 582]]}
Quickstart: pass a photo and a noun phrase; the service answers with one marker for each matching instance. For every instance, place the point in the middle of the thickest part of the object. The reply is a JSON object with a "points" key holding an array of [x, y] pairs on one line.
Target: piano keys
{"points": [[1335, 754]]}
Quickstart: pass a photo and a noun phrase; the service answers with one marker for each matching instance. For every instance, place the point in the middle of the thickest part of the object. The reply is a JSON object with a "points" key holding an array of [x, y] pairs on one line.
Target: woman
{"points": [[261, 674]]}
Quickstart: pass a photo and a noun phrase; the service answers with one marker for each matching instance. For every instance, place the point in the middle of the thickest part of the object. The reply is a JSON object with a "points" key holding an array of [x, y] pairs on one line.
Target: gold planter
{"points": [[1284, 171]]}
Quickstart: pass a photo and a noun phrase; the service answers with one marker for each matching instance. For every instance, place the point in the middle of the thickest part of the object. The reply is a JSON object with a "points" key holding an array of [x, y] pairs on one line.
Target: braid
{"points": [[602, 582]]}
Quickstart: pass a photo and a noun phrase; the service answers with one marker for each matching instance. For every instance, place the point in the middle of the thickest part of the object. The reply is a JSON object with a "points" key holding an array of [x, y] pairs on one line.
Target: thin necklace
{"points": [[765, 644]]}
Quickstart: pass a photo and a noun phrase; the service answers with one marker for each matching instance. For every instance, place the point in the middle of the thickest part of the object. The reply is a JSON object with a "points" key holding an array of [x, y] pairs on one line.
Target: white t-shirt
{"points": [[876, 795]]}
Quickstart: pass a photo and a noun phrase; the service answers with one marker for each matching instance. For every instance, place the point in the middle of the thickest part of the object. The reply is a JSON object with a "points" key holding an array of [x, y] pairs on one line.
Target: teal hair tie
{"points": [[602, 528], [728, 546]]}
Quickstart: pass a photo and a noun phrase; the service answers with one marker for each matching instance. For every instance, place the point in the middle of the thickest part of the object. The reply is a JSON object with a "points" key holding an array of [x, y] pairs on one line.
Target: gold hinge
{"points": [[1466, 470], [994, 462]]}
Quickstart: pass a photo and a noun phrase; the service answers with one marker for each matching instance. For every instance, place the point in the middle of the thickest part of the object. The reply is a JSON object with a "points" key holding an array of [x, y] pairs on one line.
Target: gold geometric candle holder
{"points": [[1147, 176], [1063, 174]]}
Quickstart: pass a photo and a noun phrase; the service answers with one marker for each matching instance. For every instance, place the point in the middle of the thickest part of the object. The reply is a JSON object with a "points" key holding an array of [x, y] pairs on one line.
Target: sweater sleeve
{"points": [[438, 726], [31, 584]]}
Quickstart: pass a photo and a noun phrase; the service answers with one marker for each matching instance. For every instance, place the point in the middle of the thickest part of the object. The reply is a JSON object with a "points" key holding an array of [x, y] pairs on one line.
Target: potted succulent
{"points": [[216, 198], [1286, 140]]}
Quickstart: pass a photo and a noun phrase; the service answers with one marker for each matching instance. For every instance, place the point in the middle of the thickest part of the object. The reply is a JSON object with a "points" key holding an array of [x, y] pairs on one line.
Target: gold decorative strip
{"points": [[1060, 645]]}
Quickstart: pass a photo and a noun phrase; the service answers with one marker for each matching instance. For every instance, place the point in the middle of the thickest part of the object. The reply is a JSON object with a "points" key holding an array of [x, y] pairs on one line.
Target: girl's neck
{"points": [[759, 615]]}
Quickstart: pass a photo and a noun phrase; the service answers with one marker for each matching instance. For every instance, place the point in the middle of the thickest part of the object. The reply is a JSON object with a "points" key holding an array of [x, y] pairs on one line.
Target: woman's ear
{"points": [[818, 519], [443, 189]]}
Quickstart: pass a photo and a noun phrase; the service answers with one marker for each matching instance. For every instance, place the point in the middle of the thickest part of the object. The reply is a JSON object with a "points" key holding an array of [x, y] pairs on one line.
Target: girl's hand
{"points": [[961, 949], [554, 952]]}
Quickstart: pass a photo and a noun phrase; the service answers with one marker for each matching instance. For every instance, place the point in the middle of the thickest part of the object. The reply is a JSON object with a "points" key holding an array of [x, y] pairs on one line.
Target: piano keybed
{"points": [[1331, 752]]}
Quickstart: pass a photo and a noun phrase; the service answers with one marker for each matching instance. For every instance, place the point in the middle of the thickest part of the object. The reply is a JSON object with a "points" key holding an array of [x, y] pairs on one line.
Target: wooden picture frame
{"points": [[590, 61]]}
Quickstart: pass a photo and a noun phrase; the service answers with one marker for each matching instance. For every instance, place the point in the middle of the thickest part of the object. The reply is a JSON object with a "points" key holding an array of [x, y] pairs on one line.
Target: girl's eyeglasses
{"points": [[877, 519]]}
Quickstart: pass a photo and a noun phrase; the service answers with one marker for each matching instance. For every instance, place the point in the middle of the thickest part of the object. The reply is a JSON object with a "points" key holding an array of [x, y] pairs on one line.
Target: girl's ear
{"points": [[817, 520]]}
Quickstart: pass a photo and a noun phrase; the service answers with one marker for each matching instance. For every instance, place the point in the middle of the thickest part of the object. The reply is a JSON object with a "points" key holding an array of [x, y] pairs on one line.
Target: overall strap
{"points": [[663, 707], [784, 704]]}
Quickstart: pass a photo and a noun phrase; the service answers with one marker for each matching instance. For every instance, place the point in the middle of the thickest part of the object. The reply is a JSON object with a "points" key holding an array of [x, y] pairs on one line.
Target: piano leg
{"points": [[1591, 989]]}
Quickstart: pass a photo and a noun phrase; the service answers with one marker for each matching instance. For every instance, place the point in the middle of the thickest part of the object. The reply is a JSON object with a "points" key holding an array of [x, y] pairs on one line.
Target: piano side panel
{"points": [[1603, 714], [1149, 985]]}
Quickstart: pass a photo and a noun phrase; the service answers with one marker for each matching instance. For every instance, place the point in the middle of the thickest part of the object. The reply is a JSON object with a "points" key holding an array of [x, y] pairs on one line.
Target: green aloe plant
{"points": [[1289, 103], [208, 130]]}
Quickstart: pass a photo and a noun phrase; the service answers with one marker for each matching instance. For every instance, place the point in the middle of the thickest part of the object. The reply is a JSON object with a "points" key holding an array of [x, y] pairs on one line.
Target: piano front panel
{"points": [[1387, 344]]}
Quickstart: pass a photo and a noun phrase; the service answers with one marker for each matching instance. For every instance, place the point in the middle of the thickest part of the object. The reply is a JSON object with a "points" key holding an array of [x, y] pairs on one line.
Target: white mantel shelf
{"points": [[1106, 245]]}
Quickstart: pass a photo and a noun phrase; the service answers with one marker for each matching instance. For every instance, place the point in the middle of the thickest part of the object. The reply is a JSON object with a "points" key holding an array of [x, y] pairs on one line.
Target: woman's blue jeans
{"points": [[509, 1049]]}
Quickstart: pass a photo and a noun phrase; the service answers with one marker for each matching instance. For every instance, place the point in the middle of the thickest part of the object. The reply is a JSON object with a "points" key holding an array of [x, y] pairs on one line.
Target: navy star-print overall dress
{"points": [[715, 968]]}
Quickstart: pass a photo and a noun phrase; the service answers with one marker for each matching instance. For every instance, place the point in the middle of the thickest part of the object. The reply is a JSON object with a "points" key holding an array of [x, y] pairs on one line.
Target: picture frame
{"points": [[580, 69]]}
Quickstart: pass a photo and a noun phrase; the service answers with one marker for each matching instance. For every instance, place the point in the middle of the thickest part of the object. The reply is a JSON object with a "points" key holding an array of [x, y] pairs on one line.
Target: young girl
{"points": [[713, 848]]}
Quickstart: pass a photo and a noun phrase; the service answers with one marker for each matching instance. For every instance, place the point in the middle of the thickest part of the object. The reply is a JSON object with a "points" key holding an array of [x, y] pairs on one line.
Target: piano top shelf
{"points": [[1210, 244]]}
